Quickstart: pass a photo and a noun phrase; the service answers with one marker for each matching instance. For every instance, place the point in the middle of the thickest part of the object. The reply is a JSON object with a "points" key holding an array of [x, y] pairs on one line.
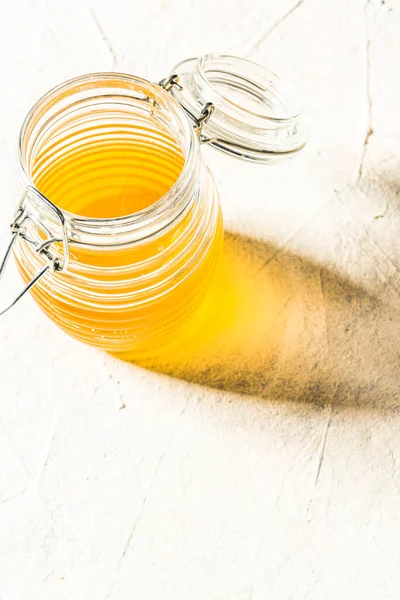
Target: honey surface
{"points": [[105, 178]]}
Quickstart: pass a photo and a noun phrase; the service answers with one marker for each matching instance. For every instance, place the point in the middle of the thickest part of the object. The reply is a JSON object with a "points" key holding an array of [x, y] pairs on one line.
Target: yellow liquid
{"points": [[108, 178], [103, 179]]}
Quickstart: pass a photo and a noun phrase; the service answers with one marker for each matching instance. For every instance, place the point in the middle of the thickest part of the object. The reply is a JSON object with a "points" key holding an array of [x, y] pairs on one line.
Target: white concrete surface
{"points": [[265, 475]]}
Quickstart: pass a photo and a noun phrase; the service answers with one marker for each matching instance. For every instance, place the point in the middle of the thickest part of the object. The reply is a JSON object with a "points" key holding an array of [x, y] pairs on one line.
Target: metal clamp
{"points": [[41, 247], [168, 82], [173, 82]]}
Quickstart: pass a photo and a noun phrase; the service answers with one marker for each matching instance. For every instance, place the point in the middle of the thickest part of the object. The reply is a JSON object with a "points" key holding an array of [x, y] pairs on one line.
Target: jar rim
{"points": [[256, 73], [159, 214], [256, 115]]}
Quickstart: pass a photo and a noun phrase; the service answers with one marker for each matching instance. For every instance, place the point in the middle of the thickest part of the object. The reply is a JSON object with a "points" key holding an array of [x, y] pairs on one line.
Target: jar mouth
{"points": [[256, 115], [136, 96], [244, 90]]}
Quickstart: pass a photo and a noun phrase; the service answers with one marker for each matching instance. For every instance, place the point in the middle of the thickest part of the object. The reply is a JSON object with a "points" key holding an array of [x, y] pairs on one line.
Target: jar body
{"points": [[140, 300], [133, 294]]}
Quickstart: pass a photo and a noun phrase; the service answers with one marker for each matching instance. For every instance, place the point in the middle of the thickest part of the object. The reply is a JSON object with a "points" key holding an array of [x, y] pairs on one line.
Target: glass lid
{"points": [[244, 109]]}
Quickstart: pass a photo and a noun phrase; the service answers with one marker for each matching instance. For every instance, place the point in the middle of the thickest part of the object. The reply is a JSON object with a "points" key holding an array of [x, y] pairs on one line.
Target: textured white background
{"points": [[275, 478]]}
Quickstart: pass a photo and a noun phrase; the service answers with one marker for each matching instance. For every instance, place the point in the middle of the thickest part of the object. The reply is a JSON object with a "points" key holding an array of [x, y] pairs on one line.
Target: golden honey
{"points": [[105, 179], [133, 289]]}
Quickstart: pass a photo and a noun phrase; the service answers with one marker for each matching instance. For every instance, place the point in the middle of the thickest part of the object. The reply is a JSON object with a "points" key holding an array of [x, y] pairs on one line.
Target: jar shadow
{"points": [[280, 327]]}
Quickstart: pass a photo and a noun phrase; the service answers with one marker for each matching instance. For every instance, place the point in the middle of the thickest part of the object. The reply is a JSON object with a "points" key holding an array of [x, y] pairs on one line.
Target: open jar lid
{"points": [[252, 114]]}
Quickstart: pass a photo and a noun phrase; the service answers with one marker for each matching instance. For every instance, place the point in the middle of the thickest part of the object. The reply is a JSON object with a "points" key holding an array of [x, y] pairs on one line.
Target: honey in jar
{"points": [[119, 231]]}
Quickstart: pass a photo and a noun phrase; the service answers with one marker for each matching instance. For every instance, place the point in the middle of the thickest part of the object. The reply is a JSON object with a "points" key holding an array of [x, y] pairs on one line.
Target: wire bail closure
{"points": [[173, 81], [256, 115], [55, 263]]}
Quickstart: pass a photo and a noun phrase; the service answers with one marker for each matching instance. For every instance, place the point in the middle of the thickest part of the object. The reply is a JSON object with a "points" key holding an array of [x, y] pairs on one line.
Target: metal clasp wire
{"points": [[17, 229], [173, 81]]}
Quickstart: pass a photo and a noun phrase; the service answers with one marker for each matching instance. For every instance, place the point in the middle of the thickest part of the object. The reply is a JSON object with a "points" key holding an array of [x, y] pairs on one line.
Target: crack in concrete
{"points": [[364, 234], [274, 26], [383, 214], [13, 497], [320, 459], [135, 524], [285, 16], [370, 129], [49, 451], [105, 39], [291, 236]]}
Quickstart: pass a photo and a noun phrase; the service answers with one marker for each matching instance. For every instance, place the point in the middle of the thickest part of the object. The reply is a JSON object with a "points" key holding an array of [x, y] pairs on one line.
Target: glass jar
{"points": [[135, 285]]}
